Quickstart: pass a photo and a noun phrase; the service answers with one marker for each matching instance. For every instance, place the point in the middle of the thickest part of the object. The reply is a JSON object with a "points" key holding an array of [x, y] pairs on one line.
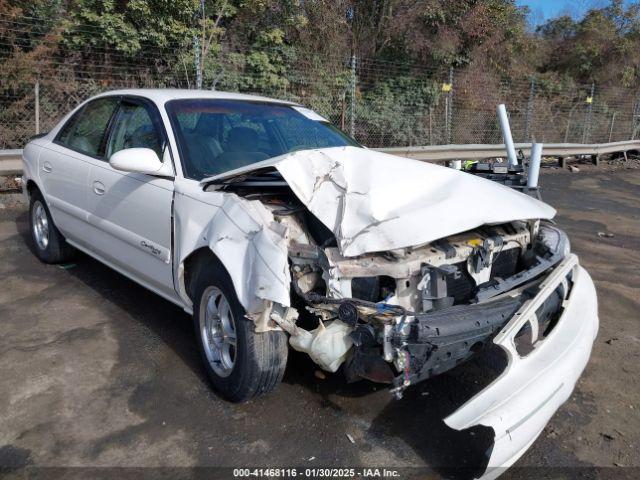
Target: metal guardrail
{"points": [[436, 153], [10, 154], [11, 163]]}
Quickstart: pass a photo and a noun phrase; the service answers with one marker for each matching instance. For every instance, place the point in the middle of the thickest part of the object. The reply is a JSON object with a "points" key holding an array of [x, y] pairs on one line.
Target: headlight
{"points": [[554, 239]]}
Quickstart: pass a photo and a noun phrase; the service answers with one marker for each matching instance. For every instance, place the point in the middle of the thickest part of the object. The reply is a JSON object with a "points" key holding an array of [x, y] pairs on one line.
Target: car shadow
{"points": [[416, 419], [164, 319]]}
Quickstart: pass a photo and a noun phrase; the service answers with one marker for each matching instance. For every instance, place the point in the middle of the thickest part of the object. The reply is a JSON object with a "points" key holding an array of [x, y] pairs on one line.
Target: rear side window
{"points": [[85, 131], [133, 128]]}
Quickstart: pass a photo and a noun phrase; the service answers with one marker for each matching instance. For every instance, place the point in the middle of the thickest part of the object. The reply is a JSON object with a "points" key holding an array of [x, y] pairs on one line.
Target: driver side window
{"points": [[133, 128]]}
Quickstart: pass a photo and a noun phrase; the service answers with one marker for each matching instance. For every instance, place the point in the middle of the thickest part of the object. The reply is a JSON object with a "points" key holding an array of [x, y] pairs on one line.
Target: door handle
{"points": [[46, 166], [98, 188]]}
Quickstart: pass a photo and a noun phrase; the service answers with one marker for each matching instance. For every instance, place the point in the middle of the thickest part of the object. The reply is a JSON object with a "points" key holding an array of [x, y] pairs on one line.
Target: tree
{"points": [[602, 47], [128, 27]]}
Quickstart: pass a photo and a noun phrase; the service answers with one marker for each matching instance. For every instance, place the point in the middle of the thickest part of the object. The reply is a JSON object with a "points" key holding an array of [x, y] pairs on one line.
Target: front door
{"points": [[131, 212]]}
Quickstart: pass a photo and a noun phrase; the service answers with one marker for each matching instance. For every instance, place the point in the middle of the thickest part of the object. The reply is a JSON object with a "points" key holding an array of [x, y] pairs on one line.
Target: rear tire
{"points": [[50, 245], [240, 363]]}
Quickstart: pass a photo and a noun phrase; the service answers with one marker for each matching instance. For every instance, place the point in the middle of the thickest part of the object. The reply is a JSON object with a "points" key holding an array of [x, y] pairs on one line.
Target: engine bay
{"points": [[403, 315]]}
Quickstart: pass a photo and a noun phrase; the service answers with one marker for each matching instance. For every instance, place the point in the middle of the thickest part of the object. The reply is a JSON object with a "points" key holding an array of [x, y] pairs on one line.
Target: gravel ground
{"points": [[97, 372]]}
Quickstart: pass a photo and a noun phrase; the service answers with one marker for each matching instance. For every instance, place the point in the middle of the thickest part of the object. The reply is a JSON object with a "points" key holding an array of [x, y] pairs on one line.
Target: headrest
{"points": [[242, 139]]}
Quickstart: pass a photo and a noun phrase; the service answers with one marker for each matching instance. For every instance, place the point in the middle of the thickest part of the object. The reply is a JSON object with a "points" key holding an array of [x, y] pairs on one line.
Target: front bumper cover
{"points": [[520, 402]]}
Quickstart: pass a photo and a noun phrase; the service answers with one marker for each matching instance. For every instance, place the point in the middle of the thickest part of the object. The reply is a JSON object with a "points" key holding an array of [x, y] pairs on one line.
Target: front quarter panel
{"points": [[244, 237]]}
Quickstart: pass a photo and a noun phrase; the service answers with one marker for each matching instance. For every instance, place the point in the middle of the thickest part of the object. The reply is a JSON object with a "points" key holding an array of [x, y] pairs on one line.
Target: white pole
{"points": [[506, 135], [37, 106], [534, 165]]}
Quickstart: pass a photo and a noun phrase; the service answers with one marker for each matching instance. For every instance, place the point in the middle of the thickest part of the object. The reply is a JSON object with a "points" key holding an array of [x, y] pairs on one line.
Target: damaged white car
{"points": [[271, 227]]}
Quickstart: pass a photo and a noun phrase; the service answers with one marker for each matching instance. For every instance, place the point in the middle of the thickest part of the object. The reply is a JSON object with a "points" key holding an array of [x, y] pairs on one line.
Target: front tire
{"points": [[240, 363], [50, 245]]}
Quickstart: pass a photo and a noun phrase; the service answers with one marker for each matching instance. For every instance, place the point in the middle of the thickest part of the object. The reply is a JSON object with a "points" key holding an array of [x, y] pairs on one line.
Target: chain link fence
{"points": [[381, 104]]}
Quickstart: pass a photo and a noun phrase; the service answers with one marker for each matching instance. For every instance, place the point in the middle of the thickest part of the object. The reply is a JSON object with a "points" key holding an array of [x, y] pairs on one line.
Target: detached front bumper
{"points": [[520, 402]]}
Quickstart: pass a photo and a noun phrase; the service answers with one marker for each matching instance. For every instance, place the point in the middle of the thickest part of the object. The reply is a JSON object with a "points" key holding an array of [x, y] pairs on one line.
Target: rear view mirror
{"points": [[140, 160]]}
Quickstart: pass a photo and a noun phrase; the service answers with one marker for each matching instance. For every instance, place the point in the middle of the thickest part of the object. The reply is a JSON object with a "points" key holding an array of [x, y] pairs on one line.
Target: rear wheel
{"points": [[51, 246], [240, 363]]}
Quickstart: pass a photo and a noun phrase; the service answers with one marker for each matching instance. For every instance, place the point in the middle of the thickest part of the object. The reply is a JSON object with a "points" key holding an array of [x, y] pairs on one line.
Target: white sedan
{"points": [[272, 227]]}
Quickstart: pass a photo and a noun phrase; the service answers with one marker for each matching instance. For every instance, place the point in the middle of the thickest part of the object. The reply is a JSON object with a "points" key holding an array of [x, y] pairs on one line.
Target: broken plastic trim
{"points": [[267, 177], [440, 340], [519, 403], [559, 251]]}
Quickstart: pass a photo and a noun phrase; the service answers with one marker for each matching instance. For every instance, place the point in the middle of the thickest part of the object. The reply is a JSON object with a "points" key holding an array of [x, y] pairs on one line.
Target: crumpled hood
{"points": [[374, 202]]}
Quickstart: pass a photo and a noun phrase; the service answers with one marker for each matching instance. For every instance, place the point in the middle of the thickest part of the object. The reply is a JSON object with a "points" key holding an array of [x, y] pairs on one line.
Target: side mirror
{"points": [[140, 160]]}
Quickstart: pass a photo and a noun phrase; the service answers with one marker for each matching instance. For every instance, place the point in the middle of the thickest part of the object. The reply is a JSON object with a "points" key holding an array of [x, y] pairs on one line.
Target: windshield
{"points": [[215, 136]]}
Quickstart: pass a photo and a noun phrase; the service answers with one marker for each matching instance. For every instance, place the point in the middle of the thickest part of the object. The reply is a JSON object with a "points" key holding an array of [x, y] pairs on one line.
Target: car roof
{"points": [[162, 95]]}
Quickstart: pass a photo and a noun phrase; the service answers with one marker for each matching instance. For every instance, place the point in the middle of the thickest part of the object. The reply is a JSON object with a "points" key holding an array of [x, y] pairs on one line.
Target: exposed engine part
{"points": [[327, 345], [348, 313], [481, 259], [509, 175], [556, 246], [368, 364], [381, 311], [364, 336], [401, 274], [404, 315], [433, 286]]}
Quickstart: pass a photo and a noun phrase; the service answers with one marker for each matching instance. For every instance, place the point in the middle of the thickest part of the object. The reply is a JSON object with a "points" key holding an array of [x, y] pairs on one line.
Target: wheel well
{"points": [[193, 264], [32, 187]]}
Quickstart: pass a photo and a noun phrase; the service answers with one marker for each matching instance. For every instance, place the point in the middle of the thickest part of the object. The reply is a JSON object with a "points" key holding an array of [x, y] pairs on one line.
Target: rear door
{"points": [[64, 165], [130, 213]]}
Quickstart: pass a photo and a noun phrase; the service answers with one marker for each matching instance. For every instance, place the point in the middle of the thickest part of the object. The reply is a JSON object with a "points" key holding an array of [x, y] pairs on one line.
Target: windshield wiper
{"points": [[265, 178]]}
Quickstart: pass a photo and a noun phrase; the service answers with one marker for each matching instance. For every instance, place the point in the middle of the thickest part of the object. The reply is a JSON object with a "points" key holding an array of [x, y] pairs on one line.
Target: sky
{"points": [[542, 10]]}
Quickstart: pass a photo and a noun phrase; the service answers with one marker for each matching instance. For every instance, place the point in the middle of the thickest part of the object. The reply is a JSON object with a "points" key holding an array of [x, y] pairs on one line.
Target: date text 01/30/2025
{"points": [[316, 472]]}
